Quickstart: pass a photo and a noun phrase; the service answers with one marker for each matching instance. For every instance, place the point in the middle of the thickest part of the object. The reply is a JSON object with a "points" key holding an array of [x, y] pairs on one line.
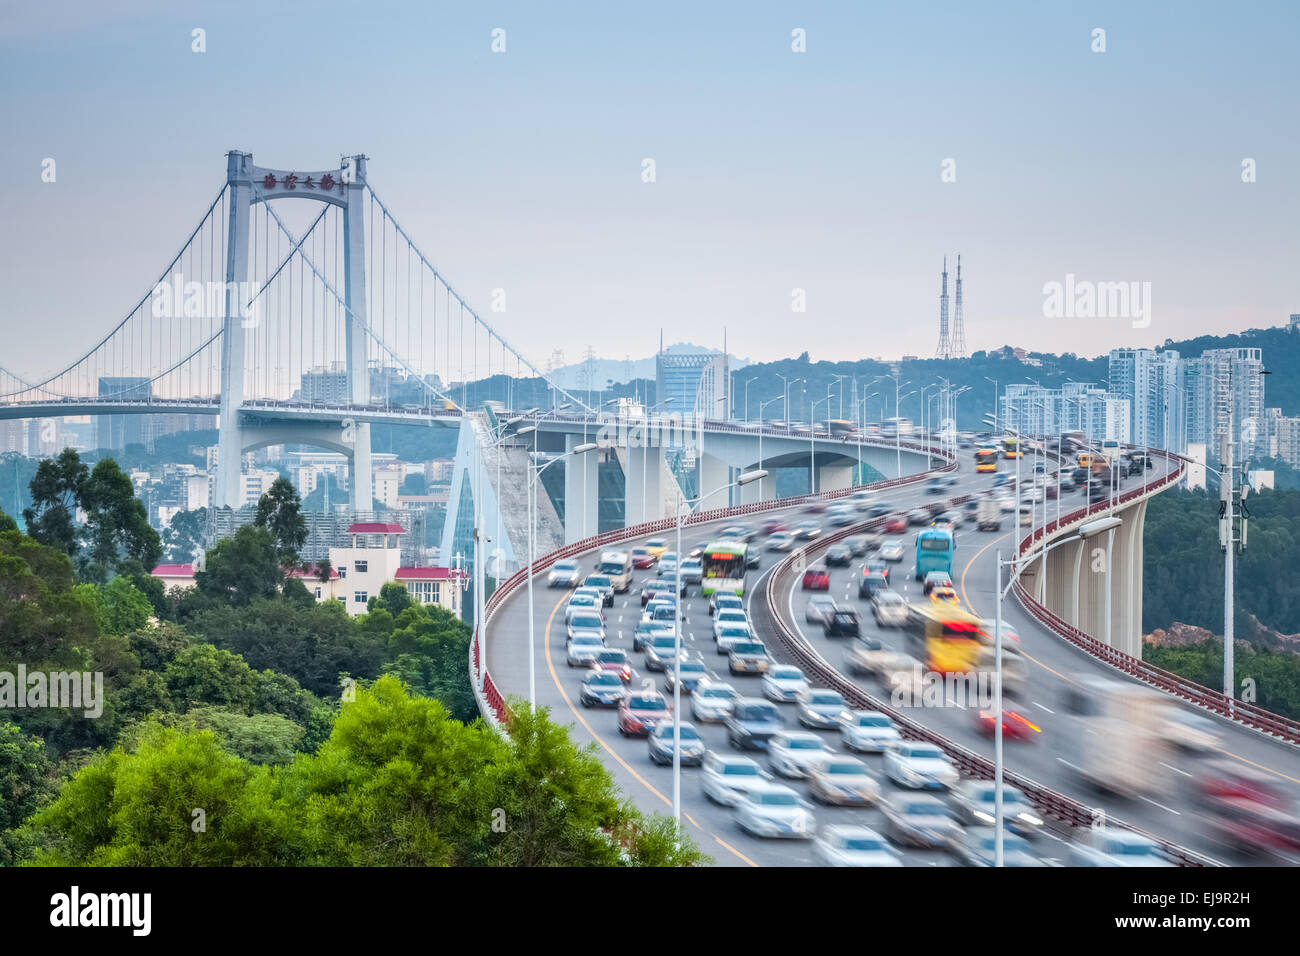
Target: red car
{"points": [[638, 714], [643, 558], [816, 579], [614, 660], [815, 507], [1014, 726], [896, 525], [772, 525]]}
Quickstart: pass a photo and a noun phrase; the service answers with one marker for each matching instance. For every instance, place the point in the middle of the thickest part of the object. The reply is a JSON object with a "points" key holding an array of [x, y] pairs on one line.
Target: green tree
{"points": [[279, 510], [393, 598], [241, 568], [203, 674], [24, 785], [7, 523], [56, 493], [117, 525], [184, 535]]}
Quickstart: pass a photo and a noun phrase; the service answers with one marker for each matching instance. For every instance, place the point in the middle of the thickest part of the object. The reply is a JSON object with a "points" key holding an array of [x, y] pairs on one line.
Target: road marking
{"points": [[1162, 806], [555, 678], [1043, 706], [1174, 769]]}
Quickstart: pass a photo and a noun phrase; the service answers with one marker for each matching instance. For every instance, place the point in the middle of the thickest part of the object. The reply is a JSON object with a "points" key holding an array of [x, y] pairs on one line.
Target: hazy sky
{"points": [[775, 170]]}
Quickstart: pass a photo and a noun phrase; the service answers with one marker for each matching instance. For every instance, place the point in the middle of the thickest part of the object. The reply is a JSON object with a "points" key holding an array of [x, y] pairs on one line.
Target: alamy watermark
{"points": [[179, 299], [1083, 299], [58, 690], [934, 689], [666, 431]]}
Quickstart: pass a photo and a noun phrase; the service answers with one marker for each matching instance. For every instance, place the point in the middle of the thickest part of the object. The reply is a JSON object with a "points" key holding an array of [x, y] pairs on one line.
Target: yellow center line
{"points": [[550, 666]]}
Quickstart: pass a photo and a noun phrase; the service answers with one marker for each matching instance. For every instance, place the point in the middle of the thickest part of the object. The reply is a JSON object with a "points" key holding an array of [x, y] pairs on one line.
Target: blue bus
{"points": [[934, 548]]}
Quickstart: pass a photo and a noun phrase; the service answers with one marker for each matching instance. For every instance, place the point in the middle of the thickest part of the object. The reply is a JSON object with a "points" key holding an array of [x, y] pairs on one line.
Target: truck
{"points": [[1118, 740], [988, 516]]}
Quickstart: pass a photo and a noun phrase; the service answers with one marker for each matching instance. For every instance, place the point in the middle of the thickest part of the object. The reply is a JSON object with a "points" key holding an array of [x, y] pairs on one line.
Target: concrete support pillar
{"points": [[581, 492], [361, 489], [715, 473], [230, 440], [644, 494], [835, 477]]}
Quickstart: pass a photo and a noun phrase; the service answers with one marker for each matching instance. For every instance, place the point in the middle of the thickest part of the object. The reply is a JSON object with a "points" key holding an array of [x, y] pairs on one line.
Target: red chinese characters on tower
{"points": [[291, 181], [327, 182], [268, 181]]}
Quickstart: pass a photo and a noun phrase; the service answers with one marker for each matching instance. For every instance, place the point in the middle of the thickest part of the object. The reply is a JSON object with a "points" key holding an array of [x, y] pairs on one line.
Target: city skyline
{"points": [[826, 176]]}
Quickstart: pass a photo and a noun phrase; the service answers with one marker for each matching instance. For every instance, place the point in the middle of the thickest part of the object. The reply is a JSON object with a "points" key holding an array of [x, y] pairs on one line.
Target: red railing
{"points": [[1049, 802], [1241, 712], [490, 701]]}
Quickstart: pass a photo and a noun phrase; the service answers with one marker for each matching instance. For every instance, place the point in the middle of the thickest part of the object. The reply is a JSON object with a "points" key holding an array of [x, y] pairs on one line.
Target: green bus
{"points": [[724, 567]]}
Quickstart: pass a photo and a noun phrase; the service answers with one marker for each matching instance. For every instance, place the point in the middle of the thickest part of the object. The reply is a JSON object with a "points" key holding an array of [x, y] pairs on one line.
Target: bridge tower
{"points": [[249, 184]]}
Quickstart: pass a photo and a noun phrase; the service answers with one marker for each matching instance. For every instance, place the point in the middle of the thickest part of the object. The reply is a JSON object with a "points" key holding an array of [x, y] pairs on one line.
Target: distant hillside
{"points": [[1281, 358]]}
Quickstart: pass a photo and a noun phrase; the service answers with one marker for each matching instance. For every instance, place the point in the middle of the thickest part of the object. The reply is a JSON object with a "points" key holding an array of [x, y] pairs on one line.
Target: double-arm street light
{"points": [[1085, 531], [746, 478], [534, 479]]}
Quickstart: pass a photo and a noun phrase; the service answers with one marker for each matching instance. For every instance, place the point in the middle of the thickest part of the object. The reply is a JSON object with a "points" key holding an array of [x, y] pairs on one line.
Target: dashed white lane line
{"points": [[1042, 706], [1162, 806], [1174, 769]]}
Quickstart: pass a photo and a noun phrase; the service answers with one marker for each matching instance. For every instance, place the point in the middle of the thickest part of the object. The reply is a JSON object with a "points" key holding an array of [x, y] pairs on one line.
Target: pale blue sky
{"points": [[775, 170]]}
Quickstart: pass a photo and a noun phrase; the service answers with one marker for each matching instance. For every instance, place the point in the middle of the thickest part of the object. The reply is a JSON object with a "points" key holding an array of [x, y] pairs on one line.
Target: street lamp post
{"points": [[812, 438], [747, 381], [534, 478], [742, 480]]}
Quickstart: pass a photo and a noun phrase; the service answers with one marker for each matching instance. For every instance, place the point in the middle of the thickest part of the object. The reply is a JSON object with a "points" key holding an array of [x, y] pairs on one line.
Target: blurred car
{"points": [[895, 525], [582, 649], [563, 574], [863, 655], [889, 608], [1192, 731], [776, 811], [615, 661], [752, 722], [752, 558], [974, 802], [712, 701], [725, 599], [867, 731], [582, 602], [656, 547], [601, 689], [772, 525], [586, 623], [873, 578], [1006, 503], [838, 555], [919, 765], [793, 753], [692, 571], [1014, 726], [945, 595], [845, 781], [605, 584], [641, 712], [843, 845], [1114, 847], [659, 651], [806, 531], [642, 559], [953, 516], [879, 509], [783, 683], [728, 778], [818, 607], [918, 516], [816, 579], [842, 622], [978, 847], [645, 630], [820, 708], [780, 541], [936, 579], [839, 519], [729, 617], [891, 551], [691, 670], [919, 819], [727, 637], [748, 657], [859, 545], [661, 744], [815, 507]]}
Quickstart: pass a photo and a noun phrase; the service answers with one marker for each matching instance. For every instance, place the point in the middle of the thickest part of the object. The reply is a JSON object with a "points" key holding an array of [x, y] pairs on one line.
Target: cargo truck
{"points": [[988, 517]]}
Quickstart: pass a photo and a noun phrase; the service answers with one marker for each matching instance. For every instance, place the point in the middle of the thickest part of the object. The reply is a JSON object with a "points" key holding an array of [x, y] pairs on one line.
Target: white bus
{"points": [[617, 566]]}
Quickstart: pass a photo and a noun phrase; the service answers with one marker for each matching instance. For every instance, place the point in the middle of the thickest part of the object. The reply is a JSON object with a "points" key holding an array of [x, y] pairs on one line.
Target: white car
{"points": [[713, 701], [783, 684], [793, 753], [844, 781], [583, 649], [919, 766], [727, 778], [587, 622], [819, 606], [582, 602], [867, 731], [728, 637], [842, 845], [889, 608], [820, 709], [1111, 847], [890, 551], [774, 810], [1007, 504], [780, 541], [1192, 731], [729, 617], [564, 574], [975, 802]]}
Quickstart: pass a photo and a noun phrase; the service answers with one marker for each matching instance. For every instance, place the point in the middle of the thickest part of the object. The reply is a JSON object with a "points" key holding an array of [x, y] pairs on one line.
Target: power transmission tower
{"points": [[945, 345], [958, 321]]}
